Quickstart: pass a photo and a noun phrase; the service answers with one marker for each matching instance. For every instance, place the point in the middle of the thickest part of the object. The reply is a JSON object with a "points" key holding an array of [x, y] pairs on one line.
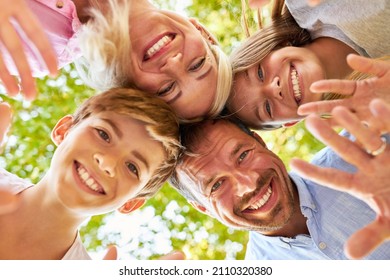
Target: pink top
{"points": [[61, 24]]}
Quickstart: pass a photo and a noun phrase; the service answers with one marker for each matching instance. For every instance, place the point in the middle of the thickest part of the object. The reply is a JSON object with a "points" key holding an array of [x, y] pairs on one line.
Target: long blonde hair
{"points": [[106, 46]]}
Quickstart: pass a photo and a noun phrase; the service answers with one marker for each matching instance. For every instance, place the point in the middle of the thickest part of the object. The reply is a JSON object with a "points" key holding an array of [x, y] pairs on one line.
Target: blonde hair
{"points": [[106, 46], [224, 84], [159, 119]]}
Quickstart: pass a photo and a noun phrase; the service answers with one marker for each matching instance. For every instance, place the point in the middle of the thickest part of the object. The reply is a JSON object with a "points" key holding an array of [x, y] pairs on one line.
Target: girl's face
{"points": [[270, 93], [171, 59]]}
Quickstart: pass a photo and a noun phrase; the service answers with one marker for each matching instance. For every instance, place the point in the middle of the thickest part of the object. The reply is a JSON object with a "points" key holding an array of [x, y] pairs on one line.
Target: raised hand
{"points": [[362, 91], [371, 181], [5, 120], [258, 3], [20, 14]]}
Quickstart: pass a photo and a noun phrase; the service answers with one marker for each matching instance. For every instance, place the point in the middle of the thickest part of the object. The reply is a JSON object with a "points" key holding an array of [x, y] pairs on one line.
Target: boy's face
{"points": [[102, 162]]}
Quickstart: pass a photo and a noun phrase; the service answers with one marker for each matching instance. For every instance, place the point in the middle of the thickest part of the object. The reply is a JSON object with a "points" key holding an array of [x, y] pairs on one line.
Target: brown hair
{"points": [[160, 121], [282, 30]]}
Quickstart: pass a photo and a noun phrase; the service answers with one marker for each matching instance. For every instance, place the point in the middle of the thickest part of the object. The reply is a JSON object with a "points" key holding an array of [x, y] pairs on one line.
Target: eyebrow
{"points": [[235, 150], [175, 98], [117, 131]]}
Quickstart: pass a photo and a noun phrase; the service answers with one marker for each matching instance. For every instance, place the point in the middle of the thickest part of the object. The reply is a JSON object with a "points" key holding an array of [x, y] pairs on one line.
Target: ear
{"points": [[204, 32], [61, 129], [259, 139], [199, 207], [131, 205]]}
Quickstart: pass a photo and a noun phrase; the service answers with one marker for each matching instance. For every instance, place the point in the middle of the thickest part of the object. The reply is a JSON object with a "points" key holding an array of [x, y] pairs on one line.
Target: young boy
{"points": [[114, 152]]}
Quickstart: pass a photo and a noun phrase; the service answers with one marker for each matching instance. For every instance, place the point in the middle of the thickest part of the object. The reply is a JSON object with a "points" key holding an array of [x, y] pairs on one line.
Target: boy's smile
{"points": [[111, 156]]}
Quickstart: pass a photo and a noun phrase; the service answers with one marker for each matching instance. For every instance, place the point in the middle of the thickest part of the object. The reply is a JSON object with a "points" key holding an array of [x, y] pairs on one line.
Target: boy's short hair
{"points": [[160, 122]]}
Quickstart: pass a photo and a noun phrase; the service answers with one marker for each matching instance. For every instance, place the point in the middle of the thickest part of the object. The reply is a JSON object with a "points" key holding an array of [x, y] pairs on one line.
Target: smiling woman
{"points": [[119, 43], [177, 60], [275, 67]]}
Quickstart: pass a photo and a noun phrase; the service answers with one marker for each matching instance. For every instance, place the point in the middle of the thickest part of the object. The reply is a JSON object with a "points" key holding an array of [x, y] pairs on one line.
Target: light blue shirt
{"points": [[332, 217]]}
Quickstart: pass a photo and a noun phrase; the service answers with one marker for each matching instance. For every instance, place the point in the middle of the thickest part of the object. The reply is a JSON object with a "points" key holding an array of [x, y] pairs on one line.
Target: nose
{"points": [[274, 88], [105, 163], [245, 181], [173, 64]]}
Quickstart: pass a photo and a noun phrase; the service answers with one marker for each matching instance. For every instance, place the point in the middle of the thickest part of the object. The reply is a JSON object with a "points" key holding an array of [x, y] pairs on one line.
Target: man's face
{"points": [[238, 180]]}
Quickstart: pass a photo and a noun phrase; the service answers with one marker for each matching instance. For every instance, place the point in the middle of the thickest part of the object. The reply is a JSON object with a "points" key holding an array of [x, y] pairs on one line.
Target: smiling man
{"points": [[229, 174]]}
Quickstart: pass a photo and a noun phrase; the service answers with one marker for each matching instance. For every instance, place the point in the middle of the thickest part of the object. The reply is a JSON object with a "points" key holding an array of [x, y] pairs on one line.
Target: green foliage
{"points": [[167, 222]]}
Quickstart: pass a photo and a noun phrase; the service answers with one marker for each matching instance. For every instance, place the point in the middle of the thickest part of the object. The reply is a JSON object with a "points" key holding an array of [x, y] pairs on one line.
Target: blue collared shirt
{"points": [[332, 217]]}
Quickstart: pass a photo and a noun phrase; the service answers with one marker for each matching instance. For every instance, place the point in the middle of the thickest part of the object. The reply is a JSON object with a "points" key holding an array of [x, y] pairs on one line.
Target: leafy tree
{"points": [[167, 221]]}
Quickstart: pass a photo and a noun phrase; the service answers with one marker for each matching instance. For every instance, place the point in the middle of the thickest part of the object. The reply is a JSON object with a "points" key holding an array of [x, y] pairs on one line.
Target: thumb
{"points": [[364, 241], [111, 254], [175, 255]]}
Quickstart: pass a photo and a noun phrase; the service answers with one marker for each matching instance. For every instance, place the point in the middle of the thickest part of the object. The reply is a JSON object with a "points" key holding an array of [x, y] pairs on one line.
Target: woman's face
{"points": [[269, 93], [171, 59]]}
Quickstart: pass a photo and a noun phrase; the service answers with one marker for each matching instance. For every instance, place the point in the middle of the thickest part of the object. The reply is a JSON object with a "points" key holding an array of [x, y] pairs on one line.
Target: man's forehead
{"points": [[214, 148]]}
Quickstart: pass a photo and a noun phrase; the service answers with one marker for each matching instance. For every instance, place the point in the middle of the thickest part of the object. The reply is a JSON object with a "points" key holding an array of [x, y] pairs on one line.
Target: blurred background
{"points": [[167, 222]]}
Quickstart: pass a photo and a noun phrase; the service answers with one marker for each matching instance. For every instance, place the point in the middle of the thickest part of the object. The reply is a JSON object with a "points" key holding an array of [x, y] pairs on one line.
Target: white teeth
{"points": [[261, 201], [296, 87], [158, 46], [88, 181]]}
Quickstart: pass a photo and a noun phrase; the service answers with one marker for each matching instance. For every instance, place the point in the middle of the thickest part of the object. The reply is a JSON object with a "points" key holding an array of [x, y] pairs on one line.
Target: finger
{"points": [[13, 44], [175, 255], [344, 147], [368, 65], [345, 87], [369, 138], [8, 80], [8, 202], [364, 241], [381, 111], [320, 107], [37, 36], [328, 177], [313, 3], [111, 254], [5, 119]]}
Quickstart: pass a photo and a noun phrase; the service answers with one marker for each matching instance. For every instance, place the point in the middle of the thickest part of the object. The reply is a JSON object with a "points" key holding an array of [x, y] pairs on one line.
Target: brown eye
{"points": [[132, 168], [242, 156], [216, 186]]}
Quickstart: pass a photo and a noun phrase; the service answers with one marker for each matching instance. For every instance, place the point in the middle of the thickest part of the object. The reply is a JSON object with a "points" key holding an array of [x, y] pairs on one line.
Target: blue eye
{"points": [[103, 135], [260, 73], [166, 90], [197, 65], [132, 168], [216, 186]]}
